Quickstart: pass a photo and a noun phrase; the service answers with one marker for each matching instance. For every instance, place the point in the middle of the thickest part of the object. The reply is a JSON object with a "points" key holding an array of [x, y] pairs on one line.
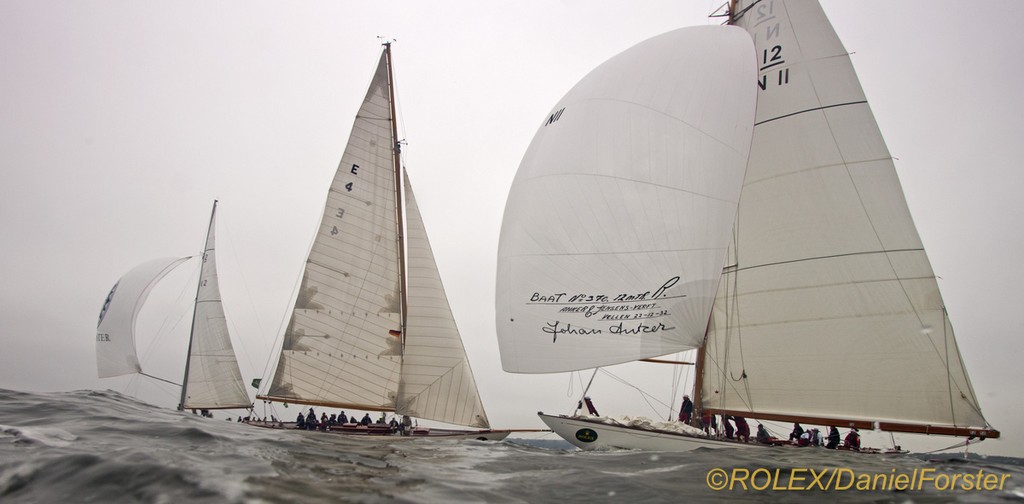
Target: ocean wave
{"points": [[89, 446]]}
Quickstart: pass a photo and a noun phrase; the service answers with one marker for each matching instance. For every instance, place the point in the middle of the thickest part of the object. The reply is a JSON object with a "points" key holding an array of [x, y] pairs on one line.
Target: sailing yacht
{"points": [[212, 379], [801, 282], [371, 328]]}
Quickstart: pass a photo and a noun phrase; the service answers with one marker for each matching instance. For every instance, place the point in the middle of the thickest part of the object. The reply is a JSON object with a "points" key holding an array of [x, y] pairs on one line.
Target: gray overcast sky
{"points": [[121, 122]]}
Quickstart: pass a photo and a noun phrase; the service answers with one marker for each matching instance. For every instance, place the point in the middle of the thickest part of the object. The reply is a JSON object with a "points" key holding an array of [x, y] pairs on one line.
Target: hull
{"points": [[590, 434], [372, 431]]}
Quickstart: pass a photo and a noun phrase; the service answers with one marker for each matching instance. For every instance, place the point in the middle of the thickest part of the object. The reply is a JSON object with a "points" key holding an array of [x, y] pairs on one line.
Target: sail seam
{"points": [[835, 256], [724, 143], [861, 102], [629, 180]]}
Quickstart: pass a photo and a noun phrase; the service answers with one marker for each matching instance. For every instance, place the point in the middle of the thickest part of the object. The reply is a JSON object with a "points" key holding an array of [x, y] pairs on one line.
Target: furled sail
{"points": [[342, 346], [437, 382], [616, 226], [829, 307], [212, 377], [115, 334]]}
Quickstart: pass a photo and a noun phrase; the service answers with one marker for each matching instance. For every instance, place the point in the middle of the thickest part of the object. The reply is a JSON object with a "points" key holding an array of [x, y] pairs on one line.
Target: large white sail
{"points": [[437, 382], [829, 307], [115, 334], [617, 223], [212, 377], [342, 346]]}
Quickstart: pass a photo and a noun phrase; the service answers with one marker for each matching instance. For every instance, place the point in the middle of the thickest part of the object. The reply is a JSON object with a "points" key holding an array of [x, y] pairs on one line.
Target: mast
{"points": [[698, 379], [195, 307], [398, 193]]}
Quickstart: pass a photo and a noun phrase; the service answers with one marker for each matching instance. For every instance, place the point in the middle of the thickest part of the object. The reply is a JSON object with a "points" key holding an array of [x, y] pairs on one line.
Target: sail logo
{"points": [[555, 116], [106, 304], [586, 435]]}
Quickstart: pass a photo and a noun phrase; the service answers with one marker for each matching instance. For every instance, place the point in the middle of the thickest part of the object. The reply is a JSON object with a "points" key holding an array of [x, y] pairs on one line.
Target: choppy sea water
{"points": [[89, 446]]}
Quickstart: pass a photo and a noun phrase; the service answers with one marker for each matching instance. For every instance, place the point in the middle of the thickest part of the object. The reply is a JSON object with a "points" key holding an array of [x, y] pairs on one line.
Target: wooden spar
{"points": [[838, 422], [941, 430], [325, 404], [398, 191], [698, 379], [663, 361]]}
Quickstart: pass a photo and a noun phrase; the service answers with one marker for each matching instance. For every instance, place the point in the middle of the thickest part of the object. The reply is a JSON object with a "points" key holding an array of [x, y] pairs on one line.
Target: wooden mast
{"points": [[698, 380], [398, 193]]}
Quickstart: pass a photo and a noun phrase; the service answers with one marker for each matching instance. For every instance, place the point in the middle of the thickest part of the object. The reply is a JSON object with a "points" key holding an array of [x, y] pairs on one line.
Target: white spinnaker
{"points": [[831, 308], [115, 333], [214, 380], [616, 225], [341, 346], [437, 382]]}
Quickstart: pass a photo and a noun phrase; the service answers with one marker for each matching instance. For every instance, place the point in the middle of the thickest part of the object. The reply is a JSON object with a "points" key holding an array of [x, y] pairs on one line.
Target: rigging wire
{"points": [[647, 397], [248, 292]]}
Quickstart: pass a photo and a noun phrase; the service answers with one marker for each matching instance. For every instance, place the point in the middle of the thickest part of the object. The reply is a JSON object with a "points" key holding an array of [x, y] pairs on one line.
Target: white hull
{"points": [[589, 434]]}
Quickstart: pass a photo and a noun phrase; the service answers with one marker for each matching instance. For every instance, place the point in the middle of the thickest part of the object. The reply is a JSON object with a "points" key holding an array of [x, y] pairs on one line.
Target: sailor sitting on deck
{"points": [[762, 435], [852, 440], [300, 421], [797, 432], [366, 419], [833, 438]]}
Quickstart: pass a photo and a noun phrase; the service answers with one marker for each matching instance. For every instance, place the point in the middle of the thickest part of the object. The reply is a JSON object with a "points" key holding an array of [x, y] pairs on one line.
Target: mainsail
{"points": [[616, 226], [828, 308], [359, 337]]}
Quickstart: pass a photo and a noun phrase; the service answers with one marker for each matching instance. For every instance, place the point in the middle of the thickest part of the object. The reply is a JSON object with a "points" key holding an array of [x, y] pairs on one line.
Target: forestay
{"points": [[617, 222], [829, 307]]}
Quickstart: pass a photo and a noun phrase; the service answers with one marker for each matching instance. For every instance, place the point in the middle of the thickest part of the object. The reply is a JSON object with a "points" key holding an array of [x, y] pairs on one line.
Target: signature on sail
{"points": [[553, 329]]}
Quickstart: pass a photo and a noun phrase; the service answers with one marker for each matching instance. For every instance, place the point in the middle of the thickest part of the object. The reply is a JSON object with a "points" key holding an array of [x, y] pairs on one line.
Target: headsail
{"points": [[437, 382], [829, 307], [343, 346], [616, 225], [212, 377], [115, 334]]}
